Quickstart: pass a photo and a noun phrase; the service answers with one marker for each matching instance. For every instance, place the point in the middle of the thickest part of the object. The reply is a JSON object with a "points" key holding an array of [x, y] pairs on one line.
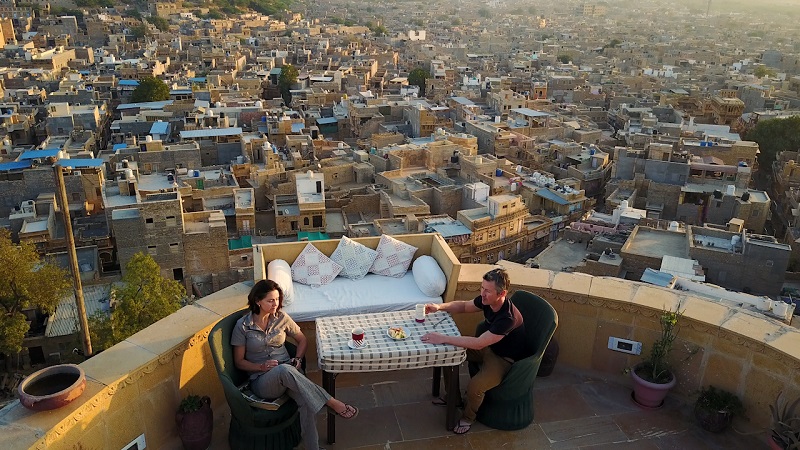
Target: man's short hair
{"points": [[500, 279]]}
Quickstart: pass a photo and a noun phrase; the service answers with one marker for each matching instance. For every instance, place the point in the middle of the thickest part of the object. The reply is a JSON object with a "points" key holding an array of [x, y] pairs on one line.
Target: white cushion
{"points": [[393, 258], [314, 268], [279, 271], [356, 258], [429, 276]]}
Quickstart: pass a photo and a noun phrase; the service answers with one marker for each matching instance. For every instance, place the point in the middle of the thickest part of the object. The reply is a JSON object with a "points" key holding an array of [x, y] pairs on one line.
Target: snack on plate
{"points": [[397, 333]]}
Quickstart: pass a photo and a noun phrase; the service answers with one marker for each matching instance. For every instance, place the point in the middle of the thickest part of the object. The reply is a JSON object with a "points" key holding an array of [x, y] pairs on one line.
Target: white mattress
{"points": [[343, 296]]}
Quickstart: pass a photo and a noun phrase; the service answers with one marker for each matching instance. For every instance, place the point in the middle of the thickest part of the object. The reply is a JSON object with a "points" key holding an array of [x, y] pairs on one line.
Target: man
{"points": [[495, 350]]}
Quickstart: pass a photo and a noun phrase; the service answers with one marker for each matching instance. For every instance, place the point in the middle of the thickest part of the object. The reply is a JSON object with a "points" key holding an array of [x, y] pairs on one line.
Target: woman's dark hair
{"points": [[259, 291]]}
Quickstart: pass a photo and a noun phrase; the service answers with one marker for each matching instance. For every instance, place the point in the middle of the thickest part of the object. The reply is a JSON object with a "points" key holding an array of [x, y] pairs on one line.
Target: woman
{"points": [[258, 347]]}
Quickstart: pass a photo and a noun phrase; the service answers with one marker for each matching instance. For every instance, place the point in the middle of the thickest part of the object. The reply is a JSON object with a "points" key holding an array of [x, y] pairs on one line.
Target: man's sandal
{"points": [[462, 427]]}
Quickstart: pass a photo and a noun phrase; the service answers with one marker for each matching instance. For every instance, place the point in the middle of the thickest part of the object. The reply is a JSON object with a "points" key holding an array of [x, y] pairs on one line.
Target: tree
{"points": [[139, 31], [286, 79], [144, 298], [563, 58], [417, 77], [764, 71], [160, 23], [774, 136], [27, 282], [150, 89]]}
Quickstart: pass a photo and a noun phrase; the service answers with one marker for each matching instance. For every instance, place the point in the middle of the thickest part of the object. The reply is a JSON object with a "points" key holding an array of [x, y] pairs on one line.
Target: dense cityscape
{"points": [[160, 143]]}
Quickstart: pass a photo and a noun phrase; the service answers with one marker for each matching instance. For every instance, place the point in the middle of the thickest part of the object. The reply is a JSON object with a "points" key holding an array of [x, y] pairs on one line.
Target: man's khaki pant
{"points": [[492, 370]]}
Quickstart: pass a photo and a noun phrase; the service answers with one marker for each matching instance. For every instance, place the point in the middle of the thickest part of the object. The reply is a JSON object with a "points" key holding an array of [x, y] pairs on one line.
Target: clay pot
{"points": [[650, 395], [52, 387], [194, 428]]}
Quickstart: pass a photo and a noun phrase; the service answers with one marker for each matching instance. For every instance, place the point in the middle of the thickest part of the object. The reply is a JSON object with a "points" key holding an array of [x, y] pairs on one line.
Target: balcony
{"points": [[135, 387]]}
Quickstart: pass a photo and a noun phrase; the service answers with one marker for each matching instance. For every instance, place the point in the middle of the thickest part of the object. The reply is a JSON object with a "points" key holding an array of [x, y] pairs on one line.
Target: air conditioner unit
{"points": [[77, 173]]}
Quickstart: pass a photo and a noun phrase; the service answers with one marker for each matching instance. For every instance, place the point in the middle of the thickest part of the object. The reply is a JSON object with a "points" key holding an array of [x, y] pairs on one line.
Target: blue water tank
{"points": [[591, 151], [498, 172]]}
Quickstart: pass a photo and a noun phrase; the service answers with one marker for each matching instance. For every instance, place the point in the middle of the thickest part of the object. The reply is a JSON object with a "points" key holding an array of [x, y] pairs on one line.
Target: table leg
{"points": [[329, 384], [453, 396], [437, 375]]}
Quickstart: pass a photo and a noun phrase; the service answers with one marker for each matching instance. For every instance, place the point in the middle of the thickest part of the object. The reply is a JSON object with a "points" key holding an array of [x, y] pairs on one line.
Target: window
{"points": [[173, 247], [151, 250], [306, 222], [171, 221], [76, 197], [317, 221], [148, 222]]}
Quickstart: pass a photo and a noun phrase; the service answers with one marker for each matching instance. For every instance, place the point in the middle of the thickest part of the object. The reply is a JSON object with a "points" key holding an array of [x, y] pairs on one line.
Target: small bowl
{"points": [[52, 387]]}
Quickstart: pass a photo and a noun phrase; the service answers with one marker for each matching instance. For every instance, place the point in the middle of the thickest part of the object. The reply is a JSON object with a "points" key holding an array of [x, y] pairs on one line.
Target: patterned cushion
{"points": [[394, 257], [313, 268], [354, 257]]}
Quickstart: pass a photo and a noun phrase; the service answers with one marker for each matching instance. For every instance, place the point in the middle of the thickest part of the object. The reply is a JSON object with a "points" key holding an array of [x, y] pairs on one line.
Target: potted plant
{"points": [[195, 422], [652, 378], [785, 428], [715, 408]]}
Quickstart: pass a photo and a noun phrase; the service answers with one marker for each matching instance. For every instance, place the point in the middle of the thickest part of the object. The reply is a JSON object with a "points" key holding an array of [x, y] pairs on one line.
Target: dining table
{"points": [[381, 352]]}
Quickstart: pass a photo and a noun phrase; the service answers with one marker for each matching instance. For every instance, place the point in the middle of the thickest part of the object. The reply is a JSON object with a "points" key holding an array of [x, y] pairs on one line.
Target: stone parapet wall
{"points": [[135, 386]]}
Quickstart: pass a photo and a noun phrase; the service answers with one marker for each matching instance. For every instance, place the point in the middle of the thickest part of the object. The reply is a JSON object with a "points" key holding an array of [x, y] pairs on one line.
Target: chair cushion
{"points": [[356, 258], [314, 268], [429, 276], [280, 272], [393, 258]]}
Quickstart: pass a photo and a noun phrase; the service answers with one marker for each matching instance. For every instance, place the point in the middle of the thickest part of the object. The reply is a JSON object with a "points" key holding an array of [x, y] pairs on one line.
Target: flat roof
{"points": [[327, 120], [15, 165], [191, 134], [34, 154], [451, 229], [552, 196], [657, 243], [531, 112], [127, 213], [145, 105], [77, 163], [159, 128]]}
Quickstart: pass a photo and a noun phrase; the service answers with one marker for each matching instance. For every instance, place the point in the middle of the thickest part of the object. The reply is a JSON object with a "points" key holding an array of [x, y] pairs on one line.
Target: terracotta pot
{"points": [[773, 444], [549, 359], [647, 394], [194, 428], [713, 421], [52, 387]]}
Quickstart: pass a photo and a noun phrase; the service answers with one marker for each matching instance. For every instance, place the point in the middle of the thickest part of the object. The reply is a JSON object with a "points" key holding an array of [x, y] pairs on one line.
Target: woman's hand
{"points": [[431, 308], [266, 366], [296, 362]]}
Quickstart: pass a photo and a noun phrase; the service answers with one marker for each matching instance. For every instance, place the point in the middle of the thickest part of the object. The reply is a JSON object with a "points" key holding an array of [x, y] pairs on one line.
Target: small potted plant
{"points": [[785, 428], [715, 408], [652, 378], [195, 422]]}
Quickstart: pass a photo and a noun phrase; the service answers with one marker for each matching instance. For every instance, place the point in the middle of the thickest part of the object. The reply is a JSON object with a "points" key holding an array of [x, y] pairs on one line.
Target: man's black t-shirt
{"points": [[507, 322]]}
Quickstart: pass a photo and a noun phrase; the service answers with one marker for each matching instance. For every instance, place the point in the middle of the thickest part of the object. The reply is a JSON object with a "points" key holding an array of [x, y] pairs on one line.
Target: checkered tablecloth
{"points": [[382, 352]]}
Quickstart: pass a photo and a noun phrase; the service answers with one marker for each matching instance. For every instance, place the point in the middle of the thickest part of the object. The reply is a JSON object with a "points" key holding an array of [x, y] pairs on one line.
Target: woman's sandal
{"points": [[441, 401], [462, 427], [349, 412]]}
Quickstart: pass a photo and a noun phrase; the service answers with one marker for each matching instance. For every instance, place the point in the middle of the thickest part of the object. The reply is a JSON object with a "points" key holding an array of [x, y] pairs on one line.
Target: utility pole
{"points": [[73, 260]]}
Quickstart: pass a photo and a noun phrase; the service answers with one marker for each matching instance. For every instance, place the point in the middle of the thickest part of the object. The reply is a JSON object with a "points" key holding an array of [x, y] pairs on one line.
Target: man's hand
{"points": [[434, 338], [431, 308]]}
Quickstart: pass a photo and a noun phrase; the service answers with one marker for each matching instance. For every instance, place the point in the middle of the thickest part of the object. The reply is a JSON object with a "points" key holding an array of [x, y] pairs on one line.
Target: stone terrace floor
{"points": [[572, 410]]}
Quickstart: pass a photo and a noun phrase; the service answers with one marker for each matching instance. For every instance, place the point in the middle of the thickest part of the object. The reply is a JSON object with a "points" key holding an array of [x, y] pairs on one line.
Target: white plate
{"points": [[405, 330], [352, 344]]}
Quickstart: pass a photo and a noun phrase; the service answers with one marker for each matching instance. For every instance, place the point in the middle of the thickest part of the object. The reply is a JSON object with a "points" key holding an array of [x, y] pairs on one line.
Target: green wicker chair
{"points": [[509, 406], [251, 427]]}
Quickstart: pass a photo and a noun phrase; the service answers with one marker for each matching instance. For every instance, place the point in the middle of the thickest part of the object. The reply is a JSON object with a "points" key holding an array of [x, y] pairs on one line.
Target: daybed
{"points": [[373, 293]]}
